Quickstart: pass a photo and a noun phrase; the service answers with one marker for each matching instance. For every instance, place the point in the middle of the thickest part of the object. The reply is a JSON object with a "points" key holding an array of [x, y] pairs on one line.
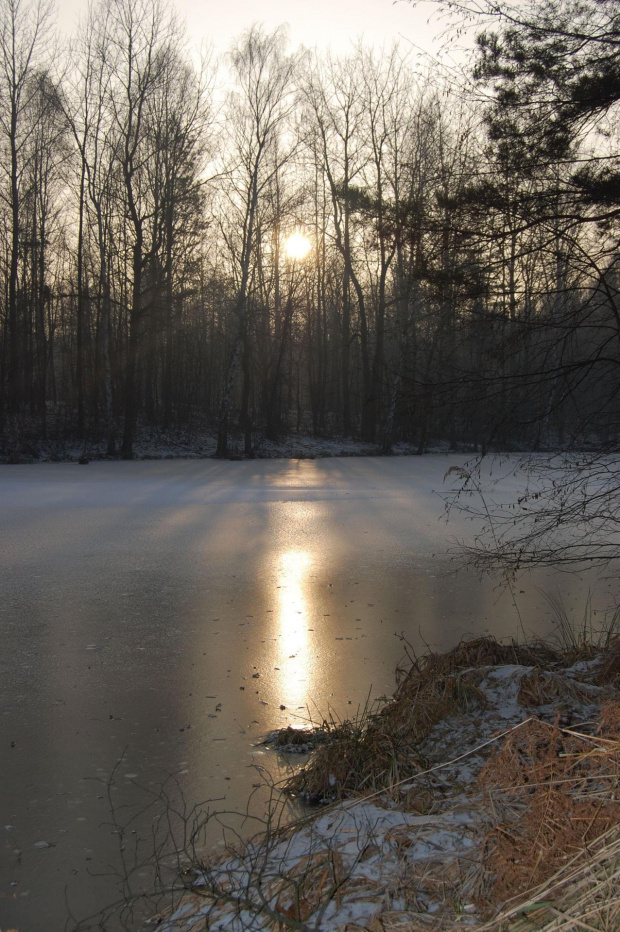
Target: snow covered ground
{"points": [[372, 864], [155, 443], [177, 444]]}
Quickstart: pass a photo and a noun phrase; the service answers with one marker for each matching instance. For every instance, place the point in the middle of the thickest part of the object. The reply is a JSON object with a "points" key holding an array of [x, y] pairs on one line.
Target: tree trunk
{"points": [[14, 335], [79, 363], [132, 354]]}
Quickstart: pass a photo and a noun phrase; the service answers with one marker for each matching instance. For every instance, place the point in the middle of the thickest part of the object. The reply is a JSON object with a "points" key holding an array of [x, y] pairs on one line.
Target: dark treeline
{"points": [[461, 283]]}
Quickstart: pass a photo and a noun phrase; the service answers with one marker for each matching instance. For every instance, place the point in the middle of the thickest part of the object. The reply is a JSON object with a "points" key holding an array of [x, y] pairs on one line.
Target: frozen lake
{"points": [[138, 602]]}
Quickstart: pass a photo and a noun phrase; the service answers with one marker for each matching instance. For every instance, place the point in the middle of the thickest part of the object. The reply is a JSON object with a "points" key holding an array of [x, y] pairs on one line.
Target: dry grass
{"points": [[551, 858], [559, 789], [361, 756], [587, 637], [582, 895], [294, 736], [297, 738], [380, 749], [476, 653], [609, 673], [542, 688], [555, 789]]}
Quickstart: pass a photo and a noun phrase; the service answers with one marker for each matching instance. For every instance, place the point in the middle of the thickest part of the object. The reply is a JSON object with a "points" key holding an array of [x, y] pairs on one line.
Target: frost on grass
{"points": [[494, 769]]}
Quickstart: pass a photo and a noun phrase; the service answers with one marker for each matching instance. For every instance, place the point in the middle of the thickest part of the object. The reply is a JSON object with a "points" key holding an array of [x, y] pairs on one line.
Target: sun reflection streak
{"points": [[294, 658]]}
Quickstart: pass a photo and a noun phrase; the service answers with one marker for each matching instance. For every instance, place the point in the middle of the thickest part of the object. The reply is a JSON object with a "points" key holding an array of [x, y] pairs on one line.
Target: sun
{"points": [[297, 246]]}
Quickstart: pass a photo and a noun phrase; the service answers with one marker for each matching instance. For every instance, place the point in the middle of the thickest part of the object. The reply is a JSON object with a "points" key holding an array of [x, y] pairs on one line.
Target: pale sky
{"points": [[325, 23]]}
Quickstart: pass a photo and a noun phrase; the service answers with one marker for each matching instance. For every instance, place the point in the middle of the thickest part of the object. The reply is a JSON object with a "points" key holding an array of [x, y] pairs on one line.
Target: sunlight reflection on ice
{"points": [[294, 658]]}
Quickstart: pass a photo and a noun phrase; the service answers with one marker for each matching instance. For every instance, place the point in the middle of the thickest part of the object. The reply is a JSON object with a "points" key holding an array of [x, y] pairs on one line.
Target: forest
{"points": [[452, 278]]}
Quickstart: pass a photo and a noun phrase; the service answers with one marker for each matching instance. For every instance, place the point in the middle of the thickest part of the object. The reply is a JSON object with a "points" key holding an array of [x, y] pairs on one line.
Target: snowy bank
{"points": [[156, 443], [502, 778]]}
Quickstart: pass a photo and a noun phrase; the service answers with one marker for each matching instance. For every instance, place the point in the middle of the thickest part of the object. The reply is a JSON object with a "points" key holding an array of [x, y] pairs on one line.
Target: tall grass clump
{"points": [[585, 637]]}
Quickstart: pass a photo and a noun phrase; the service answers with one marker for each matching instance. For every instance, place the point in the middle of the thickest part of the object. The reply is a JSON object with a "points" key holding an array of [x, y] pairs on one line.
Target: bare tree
{"points": [[334, 98], [24, 46], [259, 111], [95, 137], [142, 37]]}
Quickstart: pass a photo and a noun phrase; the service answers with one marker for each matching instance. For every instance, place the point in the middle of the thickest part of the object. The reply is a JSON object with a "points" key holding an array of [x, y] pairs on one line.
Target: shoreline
{"points": [[204, 446], [157, 444], [491, 747]]}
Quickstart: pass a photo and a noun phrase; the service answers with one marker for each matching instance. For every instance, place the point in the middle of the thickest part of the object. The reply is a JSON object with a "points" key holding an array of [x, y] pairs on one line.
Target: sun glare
{"points": [[294, 641], [297, 246]]}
